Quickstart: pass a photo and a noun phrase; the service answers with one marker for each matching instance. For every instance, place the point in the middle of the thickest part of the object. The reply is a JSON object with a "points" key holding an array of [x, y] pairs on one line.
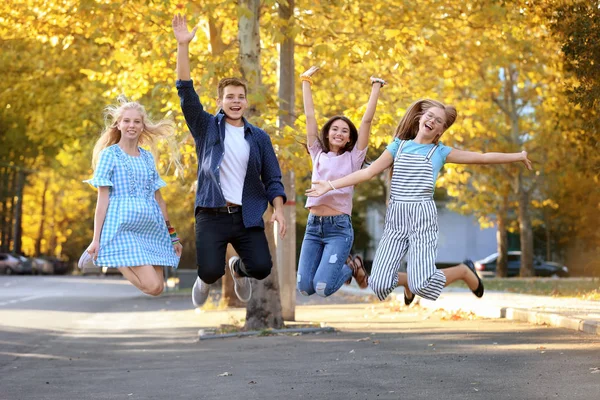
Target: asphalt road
{"points": [[98, 338]]}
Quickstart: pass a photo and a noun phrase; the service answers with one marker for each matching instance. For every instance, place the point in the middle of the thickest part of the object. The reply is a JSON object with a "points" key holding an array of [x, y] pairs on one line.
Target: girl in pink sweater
{"points": [[336, 151]]}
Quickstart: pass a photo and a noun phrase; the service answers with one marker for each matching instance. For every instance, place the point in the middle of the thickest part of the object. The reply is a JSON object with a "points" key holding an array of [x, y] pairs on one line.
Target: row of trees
{"points": [[522, 75]]}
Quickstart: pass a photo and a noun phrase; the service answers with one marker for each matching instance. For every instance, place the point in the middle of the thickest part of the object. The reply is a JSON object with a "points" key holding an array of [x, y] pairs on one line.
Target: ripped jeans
{"points": [[327, 243]]}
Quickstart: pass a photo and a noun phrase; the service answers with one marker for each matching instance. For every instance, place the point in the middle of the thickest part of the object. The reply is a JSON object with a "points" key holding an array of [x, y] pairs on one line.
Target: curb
{"points": [[484, 310], [519, 314], [266, 332]]}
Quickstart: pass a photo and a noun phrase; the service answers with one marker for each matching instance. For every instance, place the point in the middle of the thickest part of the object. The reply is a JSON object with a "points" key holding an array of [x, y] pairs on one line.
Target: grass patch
{"points": [[581, 288]]}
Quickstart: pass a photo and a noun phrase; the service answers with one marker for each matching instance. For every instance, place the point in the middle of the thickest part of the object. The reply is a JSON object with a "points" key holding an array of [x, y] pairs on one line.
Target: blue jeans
{"points": [[327, 243]]}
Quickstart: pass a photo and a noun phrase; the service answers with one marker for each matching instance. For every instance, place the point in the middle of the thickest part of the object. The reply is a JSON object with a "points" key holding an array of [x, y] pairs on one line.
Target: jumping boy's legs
{"points": [[213, 231]]}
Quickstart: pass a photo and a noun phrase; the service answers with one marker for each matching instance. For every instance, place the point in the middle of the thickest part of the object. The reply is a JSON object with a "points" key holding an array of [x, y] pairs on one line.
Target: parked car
{"points": [[15, 264], [42, 266], [61, 267], [487, 266]]}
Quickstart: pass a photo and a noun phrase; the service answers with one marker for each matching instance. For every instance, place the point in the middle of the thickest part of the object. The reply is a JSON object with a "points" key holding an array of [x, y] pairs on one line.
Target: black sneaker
{"points": [[479, 291]]}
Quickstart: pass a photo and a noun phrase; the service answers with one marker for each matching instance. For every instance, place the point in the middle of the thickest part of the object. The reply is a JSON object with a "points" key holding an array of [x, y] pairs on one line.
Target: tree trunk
{"points": [[548, 236], [286, 250], [502, 239], [40, 238], [18, 232], [4, 195], [53, 242], [249, 56], [525, 232], [264, 309]]}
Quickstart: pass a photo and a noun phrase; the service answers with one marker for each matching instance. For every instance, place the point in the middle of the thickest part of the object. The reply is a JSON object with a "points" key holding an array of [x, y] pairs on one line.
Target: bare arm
{"points": [[471, 157], [365, 125], [99, 217], [321, 187], [163, 209], [312, 129], [101, 208], [162, 205], [184, 37]]}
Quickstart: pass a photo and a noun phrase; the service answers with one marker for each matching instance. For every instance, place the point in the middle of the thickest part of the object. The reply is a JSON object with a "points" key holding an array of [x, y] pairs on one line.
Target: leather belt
{"points": [[223, 210]]}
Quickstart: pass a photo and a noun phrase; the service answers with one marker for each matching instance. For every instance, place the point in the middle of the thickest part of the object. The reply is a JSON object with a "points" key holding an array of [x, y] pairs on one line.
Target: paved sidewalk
{"points": [[564, 312]]}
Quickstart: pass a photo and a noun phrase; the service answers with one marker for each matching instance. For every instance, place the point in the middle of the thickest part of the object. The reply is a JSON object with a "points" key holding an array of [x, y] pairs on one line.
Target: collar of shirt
{"points": [[221, 119]]}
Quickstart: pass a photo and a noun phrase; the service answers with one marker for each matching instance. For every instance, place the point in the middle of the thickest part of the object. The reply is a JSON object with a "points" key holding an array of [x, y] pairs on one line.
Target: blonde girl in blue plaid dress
{"points": [[131, 225]]}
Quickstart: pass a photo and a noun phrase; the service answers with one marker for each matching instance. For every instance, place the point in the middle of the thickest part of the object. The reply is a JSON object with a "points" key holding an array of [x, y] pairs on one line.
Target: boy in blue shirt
{"points": [[238, 175]]}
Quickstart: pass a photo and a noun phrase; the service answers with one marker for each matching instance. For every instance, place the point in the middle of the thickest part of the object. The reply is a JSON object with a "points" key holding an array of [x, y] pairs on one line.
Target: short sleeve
{"points": [[393, 147], [315, 149], [159, 183], [444, 151], [358, 157], [104, 170]]}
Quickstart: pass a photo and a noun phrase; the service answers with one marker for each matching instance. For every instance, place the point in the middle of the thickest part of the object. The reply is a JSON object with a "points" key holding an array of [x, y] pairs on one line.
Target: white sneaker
{"points": [[85, 261], [242, 286], [200, 292]]}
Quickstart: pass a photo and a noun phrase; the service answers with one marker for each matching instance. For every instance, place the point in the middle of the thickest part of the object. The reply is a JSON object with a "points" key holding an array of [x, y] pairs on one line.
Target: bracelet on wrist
{"points": [[306, 79], [331, 184], [378, 80]]}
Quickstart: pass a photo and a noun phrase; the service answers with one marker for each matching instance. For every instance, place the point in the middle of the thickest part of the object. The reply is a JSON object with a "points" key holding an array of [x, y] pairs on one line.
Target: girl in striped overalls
{"points": [[417, 156]]}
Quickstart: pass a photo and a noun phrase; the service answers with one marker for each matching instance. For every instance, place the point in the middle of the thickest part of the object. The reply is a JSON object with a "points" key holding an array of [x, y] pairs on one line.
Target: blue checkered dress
{"points": [[134, 231]]}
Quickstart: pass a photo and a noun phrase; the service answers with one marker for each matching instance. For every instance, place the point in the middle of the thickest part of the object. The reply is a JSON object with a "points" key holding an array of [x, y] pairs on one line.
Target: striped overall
{"points": [[410, 226]]}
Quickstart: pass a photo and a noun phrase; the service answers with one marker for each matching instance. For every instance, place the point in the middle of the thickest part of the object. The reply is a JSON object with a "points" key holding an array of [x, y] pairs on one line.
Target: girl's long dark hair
{"points": [[323, 137]]}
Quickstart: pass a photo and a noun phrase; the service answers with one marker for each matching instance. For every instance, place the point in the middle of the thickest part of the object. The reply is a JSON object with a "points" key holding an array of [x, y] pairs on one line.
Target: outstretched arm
{"points": [[365, 125], [471, 157], [384, 161], [312, 129], [184, 37]]}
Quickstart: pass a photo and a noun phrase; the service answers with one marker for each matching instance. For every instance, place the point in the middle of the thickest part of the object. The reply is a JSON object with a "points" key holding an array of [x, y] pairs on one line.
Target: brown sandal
{"points": [[358, 271]]}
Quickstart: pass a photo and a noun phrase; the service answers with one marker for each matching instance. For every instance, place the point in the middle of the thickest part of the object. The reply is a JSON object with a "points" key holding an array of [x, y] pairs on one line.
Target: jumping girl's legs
{"points": [[310, 257], [453, 274], [148, 278], [390, 251]]}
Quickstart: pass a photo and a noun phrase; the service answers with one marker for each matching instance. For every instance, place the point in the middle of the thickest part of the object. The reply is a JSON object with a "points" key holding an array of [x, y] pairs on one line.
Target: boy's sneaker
{"points": [[85, 261], [200, 292], [242, 285]]}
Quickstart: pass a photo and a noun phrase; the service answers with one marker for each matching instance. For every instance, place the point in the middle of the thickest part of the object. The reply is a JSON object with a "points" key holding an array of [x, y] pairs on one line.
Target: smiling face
{"points": [[233, 103], [338, 135], [131, 124], [432, 124]]}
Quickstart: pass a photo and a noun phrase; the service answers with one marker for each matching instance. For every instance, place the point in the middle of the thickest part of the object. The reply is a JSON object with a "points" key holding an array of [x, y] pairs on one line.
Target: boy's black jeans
{"points": [[214, 230]]}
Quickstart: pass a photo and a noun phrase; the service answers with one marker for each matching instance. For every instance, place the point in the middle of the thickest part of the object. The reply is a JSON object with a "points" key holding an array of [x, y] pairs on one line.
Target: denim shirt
{"points": [[262, 183]]}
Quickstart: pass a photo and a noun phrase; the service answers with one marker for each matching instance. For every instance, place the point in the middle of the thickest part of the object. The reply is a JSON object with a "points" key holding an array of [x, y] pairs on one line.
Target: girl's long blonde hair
{"points": [[151, 133]]}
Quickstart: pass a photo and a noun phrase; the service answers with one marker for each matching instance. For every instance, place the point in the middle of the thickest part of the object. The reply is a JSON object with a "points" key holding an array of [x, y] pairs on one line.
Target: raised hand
{"points": [[526, 161], [309, 72], [180, 29], [319, 188]]}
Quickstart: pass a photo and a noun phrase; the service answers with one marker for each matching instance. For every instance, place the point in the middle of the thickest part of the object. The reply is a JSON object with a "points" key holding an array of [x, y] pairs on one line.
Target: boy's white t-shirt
{"points": [[235, 163]]}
